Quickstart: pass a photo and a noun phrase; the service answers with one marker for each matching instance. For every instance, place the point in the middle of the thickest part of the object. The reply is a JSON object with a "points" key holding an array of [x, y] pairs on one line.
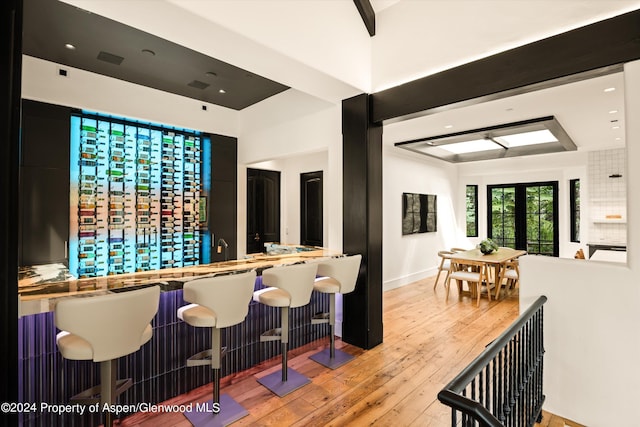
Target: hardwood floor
{"points": [[427, 341], [550, 420]]}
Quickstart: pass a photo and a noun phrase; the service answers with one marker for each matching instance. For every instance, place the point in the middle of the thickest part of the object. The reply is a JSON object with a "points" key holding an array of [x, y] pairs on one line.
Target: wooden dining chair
{"points": [[475, 276], [509, 277], [445, 265], [458, 249]]}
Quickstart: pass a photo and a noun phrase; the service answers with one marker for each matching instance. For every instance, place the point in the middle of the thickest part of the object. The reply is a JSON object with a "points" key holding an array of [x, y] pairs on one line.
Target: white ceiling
{"points": [[322, 48], [415, 38], [583, 108]]}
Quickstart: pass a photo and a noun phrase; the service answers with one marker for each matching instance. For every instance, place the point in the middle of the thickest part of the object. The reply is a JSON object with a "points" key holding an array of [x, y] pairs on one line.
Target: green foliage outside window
{"points": [[574, 196], [503, 216], [539, 217], [472, 210]]}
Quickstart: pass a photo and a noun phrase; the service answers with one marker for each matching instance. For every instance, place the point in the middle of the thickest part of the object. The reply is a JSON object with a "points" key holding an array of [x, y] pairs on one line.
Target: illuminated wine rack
{"points": [[135, 191]]}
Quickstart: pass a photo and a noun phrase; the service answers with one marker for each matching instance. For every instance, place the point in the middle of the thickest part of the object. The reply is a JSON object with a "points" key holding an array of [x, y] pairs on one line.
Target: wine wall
{"points": [[135, 190]]}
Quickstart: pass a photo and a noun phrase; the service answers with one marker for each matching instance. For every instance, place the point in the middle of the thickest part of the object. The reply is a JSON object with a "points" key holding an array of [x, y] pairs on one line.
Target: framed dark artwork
{"points": [[419, 213]]}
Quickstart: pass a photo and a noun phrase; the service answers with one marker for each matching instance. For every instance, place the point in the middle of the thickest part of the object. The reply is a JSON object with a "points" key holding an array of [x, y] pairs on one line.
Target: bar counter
{"points": [[38, 293], [158, 369]]}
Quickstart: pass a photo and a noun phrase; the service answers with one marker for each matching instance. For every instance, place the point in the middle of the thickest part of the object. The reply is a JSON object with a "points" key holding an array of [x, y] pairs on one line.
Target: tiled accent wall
{"points": [[607, 196], [158, 369]]}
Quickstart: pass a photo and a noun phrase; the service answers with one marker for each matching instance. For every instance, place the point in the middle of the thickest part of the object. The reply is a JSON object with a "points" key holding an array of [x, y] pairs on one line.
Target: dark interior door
{"points": [[311, 208], [263, 208]]}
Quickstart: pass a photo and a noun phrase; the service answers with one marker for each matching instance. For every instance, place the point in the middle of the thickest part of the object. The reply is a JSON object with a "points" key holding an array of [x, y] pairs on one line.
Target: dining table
{"points": [[496, 260]]}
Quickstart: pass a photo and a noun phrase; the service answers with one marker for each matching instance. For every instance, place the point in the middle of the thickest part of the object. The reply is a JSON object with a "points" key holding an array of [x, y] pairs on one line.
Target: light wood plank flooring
{"points": [[550, 420], [427, 341]]}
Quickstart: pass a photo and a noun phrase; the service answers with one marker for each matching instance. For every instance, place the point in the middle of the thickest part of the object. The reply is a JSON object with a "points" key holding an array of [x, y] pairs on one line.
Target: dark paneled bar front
{"points": [[158, 369]]}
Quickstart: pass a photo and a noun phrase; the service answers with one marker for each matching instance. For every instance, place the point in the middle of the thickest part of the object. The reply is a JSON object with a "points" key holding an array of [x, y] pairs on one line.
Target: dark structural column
{"points": [[10, 78], [362, 220]]}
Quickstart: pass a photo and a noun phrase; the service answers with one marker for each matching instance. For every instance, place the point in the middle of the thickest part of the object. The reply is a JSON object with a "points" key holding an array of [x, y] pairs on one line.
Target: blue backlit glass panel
{"points": [[135, 190]]}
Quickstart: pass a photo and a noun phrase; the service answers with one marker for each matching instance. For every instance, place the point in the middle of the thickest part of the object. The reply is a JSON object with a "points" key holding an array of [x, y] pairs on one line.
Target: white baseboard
{"points": [[410, 278]]}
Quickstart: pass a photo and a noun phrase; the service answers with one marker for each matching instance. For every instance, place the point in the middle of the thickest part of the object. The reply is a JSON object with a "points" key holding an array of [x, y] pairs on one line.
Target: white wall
{"points": [[413, 257], [290, 169], [293, 132], [592, 316], [288, 124]]}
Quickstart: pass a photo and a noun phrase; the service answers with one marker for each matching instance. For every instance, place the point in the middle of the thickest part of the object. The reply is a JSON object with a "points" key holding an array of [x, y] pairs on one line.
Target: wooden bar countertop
{"points": [[38, 293]]}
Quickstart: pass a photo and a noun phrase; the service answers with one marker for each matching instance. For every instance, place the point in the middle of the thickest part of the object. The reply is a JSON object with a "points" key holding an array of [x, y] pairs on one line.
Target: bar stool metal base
{"points": [[281, 388], [324, 358], [204, 414], [204, 357]]}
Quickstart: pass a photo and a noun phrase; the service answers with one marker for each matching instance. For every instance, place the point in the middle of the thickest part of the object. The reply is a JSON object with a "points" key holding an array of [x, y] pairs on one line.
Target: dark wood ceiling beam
{"points": [[368, 15], [602, 44]]}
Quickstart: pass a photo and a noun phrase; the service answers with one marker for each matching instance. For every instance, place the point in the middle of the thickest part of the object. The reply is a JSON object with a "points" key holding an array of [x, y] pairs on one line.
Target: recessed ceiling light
{"points": [[222, 91], [610, 89], [613, 111], [148, 52], [70, 46], [448, 126], [615, 127], [618, 138], [211, 74]]}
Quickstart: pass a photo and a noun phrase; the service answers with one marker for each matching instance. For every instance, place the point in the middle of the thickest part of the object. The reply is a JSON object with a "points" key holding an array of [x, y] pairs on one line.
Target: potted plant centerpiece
{"points": [[487, 246]]}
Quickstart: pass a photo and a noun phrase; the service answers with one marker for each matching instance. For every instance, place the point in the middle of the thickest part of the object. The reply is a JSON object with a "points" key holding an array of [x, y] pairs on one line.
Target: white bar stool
{"points": [[104, 328], [218, 302], [338, 275], [289, 287]]}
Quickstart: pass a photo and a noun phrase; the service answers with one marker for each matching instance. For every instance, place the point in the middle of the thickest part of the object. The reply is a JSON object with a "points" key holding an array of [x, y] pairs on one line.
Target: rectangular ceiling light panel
{"points": [[535, 136], [471, 146], [527, 138]]}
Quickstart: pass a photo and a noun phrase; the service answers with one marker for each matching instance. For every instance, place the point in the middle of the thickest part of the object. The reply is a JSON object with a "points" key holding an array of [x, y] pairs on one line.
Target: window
{"points": [[502, 216], [472, 211], [574, 201]]}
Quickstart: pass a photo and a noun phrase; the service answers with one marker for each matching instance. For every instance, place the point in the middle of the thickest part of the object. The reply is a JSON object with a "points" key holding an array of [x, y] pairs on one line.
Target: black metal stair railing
{"points": [[503, 385]]}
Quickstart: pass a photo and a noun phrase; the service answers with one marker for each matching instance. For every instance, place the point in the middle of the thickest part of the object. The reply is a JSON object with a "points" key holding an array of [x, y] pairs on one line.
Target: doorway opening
{"points": [[524, 216], [263, 209], [311, 209]]}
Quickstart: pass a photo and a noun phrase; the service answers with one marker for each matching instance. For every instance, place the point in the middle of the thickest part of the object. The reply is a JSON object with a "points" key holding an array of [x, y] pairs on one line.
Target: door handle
{"points": [[257, 237]]}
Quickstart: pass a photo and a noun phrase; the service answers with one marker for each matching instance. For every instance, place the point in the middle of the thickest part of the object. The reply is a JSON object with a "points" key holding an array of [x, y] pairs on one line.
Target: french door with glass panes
{"points": [[524, 216]]}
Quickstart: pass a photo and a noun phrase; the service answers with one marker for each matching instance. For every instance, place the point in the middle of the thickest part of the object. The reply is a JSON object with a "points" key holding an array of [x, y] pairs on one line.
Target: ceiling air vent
{"points": [[110, 58], [198, 84]]}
